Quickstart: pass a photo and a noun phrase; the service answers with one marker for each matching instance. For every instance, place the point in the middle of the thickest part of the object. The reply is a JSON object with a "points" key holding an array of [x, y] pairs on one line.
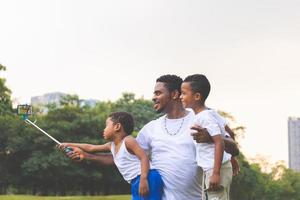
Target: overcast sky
{"points": [[249, 50]]}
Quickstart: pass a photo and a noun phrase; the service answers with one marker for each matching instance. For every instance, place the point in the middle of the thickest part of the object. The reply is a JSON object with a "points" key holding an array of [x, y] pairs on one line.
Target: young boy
{"points": [[131, 160], [210, 157]]}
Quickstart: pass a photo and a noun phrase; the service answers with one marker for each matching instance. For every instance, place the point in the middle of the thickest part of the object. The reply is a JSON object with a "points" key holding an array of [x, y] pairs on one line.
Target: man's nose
{"points": [[154, 99]]}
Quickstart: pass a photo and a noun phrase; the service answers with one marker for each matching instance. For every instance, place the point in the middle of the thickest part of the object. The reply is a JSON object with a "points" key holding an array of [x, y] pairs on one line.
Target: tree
{"points": [[30, 163], [141, 109], [70, 100], [5, 96], [6, 122]]}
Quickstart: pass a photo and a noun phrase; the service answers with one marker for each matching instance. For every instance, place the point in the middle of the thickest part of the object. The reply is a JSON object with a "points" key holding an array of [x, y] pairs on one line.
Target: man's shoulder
{"points": [[152, 123], [146, 132]]}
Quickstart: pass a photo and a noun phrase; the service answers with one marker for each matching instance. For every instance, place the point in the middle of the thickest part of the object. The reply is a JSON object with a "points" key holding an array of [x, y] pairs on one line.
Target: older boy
{"points": [[210, 157]]}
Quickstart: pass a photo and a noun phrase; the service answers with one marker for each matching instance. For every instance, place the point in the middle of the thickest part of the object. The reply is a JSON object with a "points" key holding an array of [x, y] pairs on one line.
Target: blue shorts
{"points": [[155, 183]]}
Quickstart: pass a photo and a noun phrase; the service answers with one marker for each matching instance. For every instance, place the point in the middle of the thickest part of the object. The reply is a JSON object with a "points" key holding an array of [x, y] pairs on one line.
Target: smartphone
{"points": [[24, 109]]}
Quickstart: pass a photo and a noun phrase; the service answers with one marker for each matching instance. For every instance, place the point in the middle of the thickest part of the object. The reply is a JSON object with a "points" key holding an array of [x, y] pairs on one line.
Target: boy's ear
{"points": [[198, 96], [117, 127]]}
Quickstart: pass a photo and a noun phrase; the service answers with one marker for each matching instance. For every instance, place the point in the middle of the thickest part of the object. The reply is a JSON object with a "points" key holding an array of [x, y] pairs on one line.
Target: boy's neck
{"points": [[199, 108], [118, 138]]}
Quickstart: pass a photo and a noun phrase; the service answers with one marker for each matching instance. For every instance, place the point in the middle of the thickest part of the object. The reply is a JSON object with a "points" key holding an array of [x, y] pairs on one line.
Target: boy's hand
{"points": [[77, 154], [214, 182], [62, 146], [144, 188]]}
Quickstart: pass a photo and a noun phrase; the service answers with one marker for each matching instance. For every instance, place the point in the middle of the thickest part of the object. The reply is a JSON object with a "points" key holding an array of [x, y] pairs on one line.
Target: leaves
{"points": [[5, 96]]}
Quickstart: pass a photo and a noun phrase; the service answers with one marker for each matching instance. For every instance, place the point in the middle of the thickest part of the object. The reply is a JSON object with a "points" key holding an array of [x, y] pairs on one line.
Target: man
{"points": [[168, 142]]}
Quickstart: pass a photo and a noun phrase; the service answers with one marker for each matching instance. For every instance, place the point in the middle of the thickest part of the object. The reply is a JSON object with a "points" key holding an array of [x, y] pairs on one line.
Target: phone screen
{"points": [[24, 109]]}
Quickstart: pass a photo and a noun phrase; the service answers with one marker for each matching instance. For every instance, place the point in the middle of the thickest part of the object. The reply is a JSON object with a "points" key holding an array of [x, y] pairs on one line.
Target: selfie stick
{"points": [[52, 138], [25, 111], [66, 149]]}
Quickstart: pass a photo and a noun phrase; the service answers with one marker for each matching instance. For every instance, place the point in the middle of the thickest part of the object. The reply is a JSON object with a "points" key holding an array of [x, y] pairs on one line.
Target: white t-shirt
{"points": [[215, 125], [128, 164], [221, 122], [173, 156]]}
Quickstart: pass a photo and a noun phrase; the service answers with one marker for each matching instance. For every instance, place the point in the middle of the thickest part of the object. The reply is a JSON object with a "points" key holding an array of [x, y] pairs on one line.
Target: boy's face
{"points": [[161, 97], [188, 97], [109, 129]]}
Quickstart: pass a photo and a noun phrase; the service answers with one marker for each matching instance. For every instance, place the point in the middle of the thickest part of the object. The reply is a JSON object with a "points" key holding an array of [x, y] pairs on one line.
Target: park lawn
{"points": [[29, 197]]}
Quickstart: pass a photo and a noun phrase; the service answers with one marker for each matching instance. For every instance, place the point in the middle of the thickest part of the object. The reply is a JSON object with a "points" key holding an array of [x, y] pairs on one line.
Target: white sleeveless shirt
{"points": [[128, 164]]}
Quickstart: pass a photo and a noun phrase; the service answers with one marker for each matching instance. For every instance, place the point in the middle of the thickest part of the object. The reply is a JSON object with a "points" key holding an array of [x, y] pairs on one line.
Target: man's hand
{"points": [[144, 187], [201, 135], [235, 166]]}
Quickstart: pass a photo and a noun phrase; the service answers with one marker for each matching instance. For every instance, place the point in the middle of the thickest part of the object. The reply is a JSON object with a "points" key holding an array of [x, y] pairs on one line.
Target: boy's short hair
{"points": [[172, 82], [199, 83], [125, 119]]}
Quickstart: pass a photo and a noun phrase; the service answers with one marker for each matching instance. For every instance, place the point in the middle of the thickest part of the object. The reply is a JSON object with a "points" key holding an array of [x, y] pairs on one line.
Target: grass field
{"points": [[29, 197]]}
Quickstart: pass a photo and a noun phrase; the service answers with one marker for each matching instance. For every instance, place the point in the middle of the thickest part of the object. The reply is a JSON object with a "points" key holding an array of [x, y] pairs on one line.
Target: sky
{"points": [[249, 50]]}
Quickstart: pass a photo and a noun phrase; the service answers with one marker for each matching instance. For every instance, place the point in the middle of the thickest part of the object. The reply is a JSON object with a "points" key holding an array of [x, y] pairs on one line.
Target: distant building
{"points": [[49, 98], [88, 102], [55, 98], [294, 143]]}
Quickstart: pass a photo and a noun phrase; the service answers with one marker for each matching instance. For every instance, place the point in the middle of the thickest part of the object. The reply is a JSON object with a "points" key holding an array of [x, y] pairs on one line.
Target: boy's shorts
{"points": [[155, 187], [226, 178]]}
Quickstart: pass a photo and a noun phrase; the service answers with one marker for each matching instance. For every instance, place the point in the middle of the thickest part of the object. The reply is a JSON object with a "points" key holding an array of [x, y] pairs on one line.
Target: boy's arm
{"points": [[214, 181], [98, 158], [133, 147], [89, 148]]}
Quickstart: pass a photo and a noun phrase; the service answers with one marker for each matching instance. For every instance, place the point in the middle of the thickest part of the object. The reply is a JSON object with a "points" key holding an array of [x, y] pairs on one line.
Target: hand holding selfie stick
{"points": [[25, 111]]}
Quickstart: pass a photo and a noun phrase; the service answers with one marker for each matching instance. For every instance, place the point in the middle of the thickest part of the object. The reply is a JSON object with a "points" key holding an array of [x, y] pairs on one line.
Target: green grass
{"points": [[29, 197]]}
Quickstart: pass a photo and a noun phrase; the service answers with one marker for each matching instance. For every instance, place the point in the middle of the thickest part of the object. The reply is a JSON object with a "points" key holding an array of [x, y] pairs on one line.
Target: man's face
{"points": [[161, 97], [187, 97]]}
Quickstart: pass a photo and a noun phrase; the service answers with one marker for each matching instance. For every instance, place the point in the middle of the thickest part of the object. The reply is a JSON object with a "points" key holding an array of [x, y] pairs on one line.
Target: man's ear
{"points": [[117, 127], [175, 94]]}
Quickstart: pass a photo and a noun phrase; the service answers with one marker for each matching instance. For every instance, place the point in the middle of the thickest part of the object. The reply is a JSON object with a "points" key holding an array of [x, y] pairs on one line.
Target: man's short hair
{"points": [[125, 119], [172, 82], [199, 83]]}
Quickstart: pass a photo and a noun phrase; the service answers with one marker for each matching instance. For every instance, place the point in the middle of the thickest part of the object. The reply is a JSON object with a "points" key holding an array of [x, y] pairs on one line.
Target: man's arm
{"points": [[202, 136], [231, 146], [231, 133]]}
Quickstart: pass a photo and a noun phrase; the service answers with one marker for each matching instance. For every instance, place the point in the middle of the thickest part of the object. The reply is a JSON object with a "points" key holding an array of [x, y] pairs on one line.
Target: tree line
{"points": [[30, 163]]}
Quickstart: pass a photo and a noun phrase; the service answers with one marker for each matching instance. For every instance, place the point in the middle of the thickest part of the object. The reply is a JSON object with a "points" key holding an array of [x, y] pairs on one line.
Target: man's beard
{"points": [[161, 110]]}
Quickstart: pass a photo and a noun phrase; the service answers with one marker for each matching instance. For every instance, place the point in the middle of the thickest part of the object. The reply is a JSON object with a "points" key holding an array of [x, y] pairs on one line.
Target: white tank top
{"points": [[128, 164]]}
